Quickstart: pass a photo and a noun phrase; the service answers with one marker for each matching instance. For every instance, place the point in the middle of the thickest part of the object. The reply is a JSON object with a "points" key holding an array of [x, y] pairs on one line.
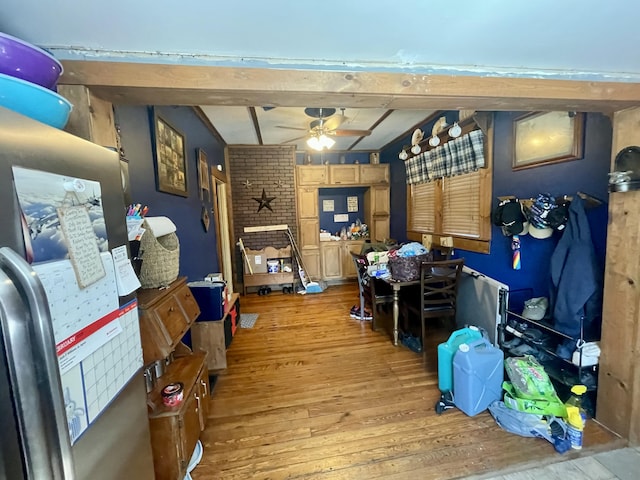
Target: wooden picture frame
{"points": [[169, 155], [541, 138], [203, 173]]}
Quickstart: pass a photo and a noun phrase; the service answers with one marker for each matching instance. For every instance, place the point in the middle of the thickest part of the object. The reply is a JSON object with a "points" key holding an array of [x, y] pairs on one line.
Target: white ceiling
{"points": [[571, 39]]}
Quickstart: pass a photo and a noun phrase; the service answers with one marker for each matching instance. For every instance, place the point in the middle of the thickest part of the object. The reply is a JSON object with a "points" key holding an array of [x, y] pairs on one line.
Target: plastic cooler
{"points": [[210, 297], [478, 372], [447, 350]]}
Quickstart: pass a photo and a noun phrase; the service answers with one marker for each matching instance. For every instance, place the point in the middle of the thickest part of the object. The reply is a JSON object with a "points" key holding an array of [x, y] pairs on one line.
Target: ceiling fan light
{"points": [[314, 142], [327, 142]]}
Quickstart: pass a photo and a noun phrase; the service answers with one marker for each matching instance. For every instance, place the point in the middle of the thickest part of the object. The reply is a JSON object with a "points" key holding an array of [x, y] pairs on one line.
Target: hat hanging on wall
{"points": [[509, 215], [416, 138], [538, 214]]}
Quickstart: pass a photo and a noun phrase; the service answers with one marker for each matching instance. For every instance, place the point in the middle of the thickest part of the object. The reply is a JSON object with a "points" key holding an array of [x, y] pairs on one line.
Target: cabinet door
{"points": [[372, 174], [380, 228], [209, 337], [203, 387], [344, 174], [311, 174], [190, 424], [331, 260], [307, 202], [380, 201], [348, 267], [311, 259], [309, 233]]}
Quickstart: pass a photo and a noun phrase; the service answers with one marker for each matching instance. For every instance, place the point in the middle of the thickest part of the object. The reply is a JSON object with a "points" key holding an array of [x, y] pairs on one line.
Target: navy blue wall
{"points": [[320, 158], [198, 252], [339, 197], [588, 175]]}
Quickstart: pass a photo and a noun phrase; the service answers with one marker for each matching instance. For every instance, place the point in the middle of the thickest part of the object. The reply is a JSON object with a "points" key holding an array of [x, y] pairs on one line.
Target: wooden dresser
{"points": [[165, 316]]}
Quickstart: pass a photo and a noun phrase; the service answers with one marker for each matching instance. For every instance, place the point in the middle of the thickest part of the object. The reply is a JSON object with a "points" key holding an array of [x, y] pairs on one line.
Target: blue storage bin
{"points": [[478, 372], [447, 350], [210, 299]]}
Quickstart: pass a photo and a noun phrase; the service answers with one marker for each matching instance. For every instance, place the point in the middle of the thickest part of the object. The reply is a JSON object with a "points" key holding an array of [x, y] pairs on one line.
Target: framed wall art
{"points": [[547, 137], [169, 156], [203, 173]]}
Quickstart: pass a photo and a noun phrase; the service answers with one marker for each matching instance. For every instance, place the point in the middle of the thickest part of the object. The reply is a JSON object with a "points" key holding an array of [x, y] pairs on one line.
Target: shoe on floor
{"points": [[356, 314]]}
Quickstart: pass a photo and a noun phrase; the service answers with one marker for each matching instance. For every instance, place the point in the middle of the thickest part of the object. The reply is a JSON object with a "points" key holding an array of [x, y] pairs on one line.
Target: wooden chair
{"points": [[373, 293], [438, 292]]}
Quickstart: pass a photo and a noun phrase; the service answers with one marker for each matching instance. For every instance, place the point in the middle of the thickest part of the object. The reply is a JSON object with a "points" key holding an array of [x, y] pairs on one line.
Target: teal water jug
{"points": [[447, 350], [478, 372]]}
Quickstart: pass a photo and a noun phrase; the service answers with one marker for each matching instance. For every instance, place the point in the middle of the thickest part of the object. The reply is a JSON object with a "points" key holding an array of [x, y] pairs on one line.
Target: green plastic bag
{"points": [[530, 389]]}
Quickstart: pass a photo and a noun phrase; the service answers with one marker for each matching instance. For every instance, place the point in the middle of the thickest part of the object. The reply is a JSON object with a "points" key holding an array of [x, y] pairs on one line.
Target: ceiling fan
{"points": [[325, 125]]}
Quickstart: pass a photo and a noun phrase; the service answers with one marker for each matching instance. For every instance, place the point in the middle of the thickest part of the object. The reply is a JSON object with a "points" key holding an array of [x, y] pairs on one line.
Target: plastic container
{"points": [[34, 101], [23, 60], [210, 297], [273, 266], [447, 350], [576, 423], [478, 373]]}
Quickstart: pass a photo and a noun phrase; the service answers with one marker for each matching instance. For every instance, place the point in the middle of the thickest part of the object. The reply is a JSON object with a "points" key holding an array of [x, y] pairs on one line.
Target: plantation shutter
{"points": [[461, 205], [422, 207]]}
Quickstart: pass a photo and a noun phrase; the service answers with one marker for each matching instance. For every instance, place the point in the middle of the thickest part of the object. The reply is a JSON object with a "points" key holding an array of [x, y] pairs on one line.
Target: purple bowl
{"points": [[28, 62]]}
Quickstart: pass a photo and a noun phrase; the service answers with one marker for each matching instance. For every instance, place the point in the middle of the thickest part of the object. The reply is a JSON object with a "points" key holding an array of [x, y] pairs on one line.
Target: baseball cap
{"points": [[538, 214], [509, 215]]}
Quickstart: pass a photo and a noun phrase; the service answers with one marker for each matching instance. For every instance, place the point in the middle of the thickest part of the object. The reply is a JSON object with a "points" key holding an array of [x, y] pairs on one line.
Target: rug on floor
{"points": [[248, 320]]}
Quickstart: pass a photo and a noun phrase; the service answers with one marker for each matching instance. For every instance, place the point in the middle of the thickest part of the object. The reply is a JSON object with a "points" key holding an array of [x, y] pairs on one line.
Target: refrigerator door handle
{"points": [[33, 368]]}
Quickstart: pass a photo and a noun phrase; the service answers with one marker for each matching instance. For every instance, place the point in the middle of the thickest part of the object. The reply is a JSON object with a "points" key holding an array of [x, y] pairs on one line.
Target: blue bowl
{"points": [[34, 101], [28, 62]]}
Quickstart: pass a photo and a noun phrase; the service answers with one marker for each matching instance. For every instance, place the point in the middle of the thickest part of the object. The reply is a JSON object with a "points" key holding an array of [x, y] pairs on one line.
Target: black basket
{"points": [[407, 269]]}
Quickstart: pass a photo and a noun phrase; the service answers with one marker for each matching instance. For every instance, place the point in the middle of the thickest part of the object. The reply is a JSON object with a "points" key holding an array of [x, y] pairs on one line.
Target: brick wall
{"points": [[271, 168]]}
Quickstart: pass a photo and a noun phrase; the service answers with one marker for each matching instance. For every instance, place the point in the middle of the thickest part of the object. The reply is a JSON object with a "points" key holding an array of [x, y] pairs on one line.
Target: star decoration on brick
{"points": [[280, 184], [247, 184], [264, 201]]}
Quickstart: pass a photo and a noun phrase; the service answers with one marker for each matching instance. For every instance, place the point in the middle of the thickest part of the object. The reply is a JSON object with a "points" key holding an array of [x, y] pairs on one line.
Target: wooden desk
{"points": [[397, 285]]}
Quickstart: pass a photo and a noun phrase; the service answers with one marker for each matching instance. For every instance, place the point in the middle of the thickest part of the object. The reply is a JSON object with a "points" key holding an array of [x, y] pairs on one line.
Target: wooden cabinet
{"points": [[311, 174], [311, 259], [175, 430], [307, 198], [348, 267], [374, 174], [337, 263], [322, 259], [331, 260], [165, 316], [309, 233], [344, 174], [378, 210]]}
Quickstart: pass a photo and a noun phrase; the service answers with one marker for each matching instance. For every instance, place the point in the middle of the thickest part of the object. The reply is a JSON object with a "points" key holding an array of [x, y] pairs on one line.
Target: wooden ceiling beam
{"points": [[133, 83]]}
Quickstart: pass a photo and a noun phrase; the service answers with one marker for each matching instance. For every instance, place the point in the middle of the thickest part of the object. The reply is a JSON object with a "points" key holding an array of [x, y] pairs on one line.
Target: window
{"points": [[457, 207]]}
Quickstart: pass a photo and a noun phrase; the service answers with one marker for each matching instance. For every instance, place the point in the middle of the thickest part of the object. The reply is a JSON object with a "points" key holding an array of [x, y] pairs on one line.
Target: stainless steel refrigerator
{"points": [[72, 399]]}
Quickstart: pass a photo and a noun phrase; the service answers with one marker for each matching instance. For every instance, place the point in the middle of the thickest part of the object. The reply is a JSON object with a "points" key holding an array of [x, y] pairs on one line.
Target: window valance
{"points": [[456, 157]]}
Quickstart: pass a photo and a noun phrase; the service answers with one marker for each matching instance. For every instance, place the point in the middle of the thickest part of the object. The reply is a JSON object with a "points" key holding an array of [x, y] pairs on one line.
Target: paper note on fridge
{"points": [[126, 278]]}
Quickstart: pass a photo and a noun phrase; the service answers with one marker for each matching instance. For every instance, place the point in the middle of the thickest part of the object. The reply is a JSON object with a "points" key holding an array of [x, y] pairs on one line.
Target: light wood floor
{"points": [[311, 393]]}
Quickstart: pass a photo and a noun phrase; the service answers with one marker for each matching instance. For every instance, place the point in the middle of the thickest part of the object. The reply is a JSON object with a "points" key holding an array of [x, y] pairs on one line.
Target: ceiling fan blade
{"points": [[334, 122], [292, 128], [351, 133], [292, 140]]}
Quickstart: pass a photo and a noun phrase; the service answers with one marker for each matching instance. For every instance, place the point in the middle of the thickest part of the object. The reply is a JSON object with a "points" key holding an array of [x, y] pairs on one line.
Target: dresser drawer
{"points": [[171, 316], [188, 303]]}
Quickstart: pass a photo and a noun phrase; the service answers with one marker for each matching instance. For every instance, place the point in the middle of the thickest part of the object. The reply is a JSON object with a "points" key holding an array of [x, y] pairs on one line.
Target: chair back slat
{"points": [[439, 284]]}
